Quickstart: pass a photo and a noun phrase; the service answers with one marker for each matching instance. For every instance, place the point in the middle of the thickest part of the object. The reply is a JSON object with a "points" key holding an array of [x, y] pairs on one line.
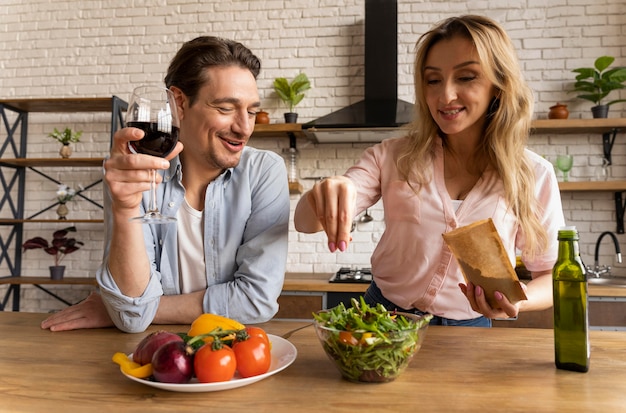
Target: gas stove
{"points": [[352, 275]]}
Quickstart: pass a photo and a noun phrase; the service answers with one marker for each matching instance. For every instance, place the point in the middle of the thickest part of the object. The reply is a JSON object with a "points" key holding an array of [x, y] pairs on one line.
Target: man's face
{"points": [[215, 129]]}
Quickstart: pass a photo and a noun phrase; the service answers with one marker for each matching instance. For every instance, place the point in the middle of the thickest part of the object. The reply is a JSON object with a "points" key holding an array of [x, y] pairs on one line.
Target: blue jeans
{"points": [[373, 295]]}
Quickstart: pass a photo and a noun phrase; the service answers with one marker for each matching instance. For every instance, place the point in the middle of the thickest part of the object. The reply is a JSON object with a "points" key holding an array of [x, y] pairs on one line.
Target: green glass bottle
{"points": [[571, 321]]}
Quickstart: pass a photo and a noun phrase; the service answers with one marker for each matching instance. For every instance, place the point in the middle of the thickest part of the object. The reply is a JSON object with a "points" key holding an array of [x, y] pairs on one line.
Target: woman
{"points": [[464, 159]]}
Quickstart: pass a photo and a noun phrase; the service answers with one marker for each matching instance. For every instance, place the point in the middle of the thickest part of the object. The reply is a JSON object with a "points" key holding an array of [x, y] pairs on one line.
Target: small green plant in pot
{"points": [[596, 83], [292, 93], [66, 137]]}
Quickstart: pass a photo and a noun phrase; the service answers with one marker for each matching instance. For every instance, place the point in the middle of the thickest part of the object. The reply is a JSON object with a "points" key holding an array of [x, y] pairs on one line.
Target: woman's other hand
{"points": [[476, 296]]}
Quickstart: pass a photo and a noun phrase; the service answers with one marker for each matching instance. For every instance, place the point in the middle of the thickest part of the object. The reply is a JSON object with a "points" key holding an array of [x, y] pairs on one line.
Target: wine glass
{"points": [[564, 164], [603, 171], [153, 110]]}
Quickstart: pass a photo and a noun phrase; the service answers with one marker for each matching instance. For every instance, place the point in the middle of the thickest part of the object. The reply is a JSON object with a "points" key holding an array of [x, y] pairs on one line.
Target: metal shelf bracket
{"points": [[608, 139]]}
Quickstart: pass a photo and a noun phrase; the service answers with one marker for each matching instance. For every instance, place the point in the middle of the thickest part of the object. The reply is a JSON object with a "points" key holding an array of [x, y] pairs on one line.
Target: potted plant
{"points": [[595, 83], [64, 195], [59, 247], [292, 93], [65, 138]]}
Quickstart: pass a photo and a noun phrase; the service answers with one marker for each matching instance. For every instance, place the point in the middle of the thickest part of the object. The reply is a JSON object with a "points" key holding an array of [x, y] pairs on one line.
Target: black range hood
{"points": [[380, 113]]}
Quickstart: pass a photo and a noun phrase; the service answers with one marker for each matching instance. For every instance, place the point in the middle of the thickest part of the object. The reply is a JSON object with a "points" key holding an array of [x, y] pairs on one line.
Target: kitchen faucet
{"points": [[598, 269]]}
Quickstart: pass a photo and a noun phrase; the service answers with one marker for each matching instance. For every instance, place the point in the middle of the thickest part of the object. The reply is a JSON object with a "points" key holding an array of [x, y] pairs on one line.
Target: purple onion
{"points": [[172, 363]]}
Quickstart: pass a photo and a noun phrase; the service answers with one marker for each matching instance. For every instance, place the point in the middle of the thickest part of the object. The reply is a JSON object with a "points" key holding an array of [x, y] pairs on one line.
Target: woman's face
{"points": [[457, 90]]}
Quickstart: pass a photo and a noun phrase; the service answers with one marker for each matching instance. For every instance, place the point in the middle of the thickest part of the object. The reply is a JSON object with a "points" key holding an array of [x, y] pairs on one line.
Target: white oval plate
{"points": [[283, 354]]}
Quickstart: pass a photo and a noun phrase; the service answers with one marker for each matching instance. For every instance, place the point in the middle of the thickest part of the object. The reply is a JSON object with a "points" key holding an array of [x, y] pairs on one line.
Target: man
{"points": [[227, 252]]}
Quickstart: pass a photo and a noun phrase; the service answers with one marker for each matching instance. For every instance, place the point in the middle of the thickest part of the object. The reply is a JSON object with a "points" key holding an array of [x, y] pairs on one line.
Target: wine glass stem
{"points": [[153, 203], [565, 176]]}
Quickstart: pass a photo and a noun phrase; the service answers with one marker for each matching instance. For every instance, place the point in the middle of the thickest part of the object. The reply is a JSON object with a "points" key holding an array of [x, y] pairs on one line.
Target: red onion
{"points": [[173, 363], [151, 343]]}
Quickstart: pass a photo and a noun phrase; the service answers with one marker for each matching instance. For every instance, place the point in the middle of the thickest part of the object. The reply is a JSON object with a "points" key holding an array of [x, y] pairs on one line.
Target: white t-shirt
{"points": [[191, 264]]}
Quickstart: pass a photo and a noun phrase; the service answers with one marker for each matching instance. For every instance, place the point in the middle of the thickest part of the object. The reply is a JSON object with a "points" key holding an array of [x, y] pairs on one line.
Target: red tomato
{"points": [[257, 332], [212, 366], [346, 337], [253, 356]]}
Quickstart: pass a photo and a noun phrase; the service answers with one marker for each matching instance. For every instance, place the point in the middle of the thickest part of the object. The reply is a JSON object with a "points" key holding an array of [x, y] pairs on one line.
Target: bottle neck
{"points": [[568, 248]]}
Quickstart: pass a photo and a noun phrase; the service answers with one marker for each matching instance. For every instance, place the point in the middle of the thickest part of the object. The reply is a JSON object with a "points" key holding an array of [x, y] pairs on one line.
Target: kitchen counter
{"points": [[319, 282], [307, 281], [457, 369]]}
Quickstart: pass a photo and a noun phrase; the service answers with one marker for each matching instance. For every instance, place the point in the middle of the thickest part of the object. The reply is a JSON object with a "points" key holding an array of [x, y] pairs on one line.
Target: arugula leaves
{"points": [[369, 343]]}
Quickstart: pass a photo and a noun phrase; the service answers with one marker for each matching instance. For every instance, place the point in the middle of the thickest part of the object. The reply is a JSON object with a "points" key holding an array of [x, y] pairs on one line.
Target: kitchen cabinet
{"points": [[299, 305], [607, 313], [14, 163], [529, 319], [305, 293]]}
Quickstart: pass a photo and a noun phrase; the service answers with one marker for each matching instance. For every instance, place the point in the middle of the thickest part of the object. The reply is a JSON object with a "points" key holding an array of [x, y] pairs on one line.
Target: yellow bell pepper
{"points": [[131, 368], [206, 323]]}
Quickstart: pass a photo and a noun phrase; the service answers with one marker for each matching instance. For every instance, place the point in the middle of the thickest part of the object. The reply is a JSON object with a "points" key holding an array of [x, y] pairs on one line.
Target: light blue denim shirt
{"points": [[246, 216]]}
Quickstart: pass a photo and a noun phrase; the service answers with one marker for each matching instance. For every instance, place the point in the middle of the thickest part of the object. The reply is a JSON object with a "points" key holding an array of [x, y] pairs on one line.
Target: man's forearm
{"points": [[128, 260], [179, 309]]}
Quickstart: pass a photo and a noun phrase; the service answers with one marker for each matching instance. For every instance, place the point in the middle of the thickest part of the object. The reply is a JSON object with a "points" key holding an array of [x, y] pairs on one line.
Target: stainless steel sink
{"points": [[607, 282]]}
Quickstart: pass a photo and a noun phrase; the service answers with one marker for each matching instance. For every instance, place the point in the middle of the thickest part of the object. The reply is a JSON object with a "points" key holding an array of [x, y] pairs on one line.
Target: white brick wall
{"points": [[86, 49]]}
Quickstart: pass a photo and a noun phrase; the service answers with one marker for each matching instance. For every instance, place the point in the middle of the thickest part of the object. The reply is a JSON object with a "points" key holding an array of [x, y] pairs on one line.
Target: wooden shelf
{"points": [[277, 130], [60, 105], [577, 125], [55, 162], [582, 186], [11, 221], [538, 126], [48, 280]]}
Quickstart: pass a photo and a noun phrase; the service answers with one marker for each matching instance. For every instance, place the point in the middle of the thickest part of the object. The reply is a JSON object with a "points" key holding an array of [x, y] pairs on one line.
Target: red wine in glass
{"points": [[153, 110], [155, 142]]}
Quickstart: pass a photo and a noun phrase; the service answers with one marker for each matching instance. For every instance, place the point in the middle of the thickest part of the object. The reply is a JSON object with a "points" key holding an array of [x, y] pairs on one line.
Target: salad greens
{"points": [[369, 343]]}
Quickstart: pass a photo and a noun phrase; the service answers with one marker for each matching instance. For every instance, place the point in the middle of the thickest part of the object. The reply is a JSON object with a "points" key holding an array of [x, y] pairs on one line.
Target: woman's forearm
{"points": [[539, 292]]}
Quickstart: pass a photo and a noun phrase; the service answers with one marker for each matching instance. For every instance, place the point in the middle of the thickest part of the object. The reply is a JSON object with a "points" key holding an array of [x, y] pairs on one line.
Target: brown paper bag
{"points": [[481, 256]]}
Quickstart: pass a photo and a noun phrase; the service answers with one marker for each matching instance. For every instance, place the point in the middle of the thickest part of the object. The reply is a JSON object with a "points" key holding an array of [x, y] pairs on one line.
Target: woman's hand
{"points": [[476, 296], [329, 205], [538, 291]]}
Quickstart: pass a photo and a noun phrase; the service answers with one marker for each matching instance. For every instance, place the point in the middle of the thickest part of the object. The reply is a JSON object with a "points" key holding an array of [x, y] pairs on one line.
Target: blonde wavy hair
{"points": [[507, 128]]}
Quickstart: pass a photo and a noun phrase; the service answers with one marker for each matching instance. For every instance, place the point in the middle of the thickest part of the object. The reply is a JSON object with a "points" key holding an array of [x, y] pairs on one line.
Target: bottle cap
{"points": [[568, 231], [568, 228]]}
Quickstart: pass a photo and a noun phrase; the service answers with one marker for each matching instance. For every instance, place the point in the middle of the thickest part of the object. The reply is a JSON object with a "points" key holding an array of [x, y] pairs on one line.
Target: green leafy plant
{"points": [[292, 92], [595, 83], [67, 136], [60, 246]]}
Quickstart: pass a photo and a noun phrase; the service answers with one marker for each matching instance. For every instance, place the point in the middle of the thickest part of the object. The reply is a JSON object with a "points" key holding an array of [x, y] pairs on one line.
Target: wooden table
{"points": [[457, 369]]}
